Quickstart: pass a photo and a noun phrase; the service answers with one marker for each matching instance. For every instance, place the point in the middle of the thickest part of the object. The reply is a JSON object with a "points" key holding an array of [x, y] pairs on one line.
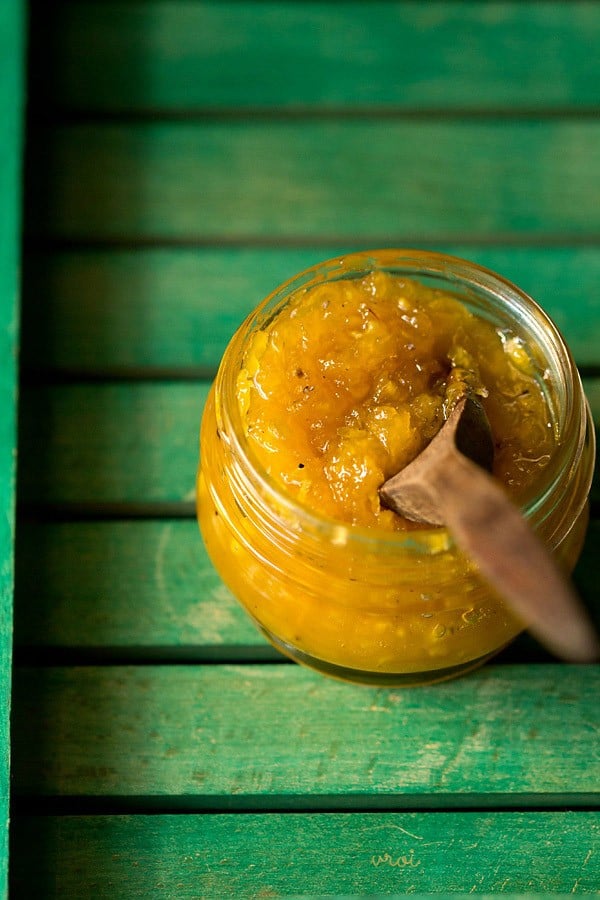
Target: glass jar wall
{"points": [[364, 604]]}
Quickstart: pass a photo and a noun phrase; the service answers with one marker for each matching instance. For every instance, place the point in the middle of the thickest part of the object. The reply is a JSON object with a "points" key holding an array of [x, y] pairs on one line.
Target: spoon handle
{"points": [[490, 529]]}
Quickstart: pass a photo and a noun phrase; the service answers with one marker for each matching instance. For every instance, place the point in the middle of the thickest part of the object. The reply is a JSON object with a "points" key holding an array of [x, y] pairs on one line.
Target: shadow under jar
{"points": [[377, 606]]}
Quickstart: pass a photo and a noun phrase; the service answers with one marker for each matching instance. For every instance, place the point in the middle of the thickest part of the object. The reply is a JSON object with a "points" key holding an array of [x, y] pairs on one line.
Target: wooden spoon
{"points": [[447, 485]]}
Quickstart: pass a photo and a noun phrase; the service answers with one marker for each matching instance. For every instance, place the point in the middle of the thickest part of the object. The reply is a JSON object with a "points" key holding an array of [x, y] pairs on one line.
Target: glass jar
{"points": [[397, 608]]}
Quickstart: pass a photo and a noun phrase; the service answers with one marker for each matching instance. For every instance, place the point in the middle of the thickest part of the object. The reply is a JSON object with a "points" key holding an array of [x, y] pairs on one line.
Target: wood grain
{"points": [[379, 181], [282, 737], [112, 309], [181, 55], [366, 854]]}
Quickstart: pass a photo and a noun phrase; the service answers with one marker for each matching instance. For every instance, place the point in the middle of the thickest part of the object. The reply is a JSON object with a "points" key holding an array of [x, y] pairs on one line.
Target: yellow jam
{"points": [[352, 380], [315, 405]]}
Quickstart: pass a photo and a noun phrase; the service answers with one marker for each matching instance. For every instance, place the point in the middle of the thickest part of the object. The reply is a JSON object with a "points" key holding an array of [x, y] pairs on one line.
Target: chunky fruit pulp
{"points": [[353, 378], [336, 392]]}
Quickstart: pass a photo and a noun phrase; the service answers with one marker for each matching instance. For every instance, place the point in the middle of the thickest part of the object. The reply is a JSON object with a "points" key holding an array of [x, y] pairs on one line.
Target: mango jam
{"points": [[337, 382], [352, 380]]}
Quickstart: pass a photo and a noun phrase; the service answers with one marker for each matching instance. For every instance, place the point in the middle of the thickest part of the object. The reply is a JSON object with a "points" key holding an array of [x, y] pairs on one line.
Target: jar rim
{"points": [[528, 314]]}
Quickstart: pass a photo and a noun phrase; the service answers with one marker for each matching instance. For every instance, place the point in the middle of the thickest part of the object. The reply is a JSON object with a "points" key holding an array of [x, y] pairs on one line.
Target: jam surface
{"points": [[352, 379]]}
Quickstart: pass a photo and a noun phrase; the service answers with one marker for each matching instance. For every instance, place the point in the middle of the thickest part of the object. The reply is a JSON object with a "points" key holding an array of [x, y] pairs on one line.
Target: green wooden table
{"points": [[184, 158], [11, 134]]}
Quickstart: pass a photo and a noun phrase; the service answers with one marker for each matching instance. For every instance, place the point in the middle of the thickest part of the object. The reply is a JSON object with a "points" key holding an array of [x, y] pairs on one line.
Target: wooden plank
{"points": [[373, 180], [177, 308], [146, 589], [179, 736], [120, 442], [111, 442], [127, 588], [12, 29], [181, 55], [349, 854]]}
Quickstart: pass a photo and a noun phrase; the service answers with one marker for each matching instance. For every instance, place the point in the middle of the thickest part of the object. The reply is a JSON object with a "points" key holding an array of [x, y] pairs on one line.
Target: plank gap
{"points": [[589, 370], [524, 649], [190, 655], [89, 805], [58, 375], [86, 511], [42, 114], [34, 243]]}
